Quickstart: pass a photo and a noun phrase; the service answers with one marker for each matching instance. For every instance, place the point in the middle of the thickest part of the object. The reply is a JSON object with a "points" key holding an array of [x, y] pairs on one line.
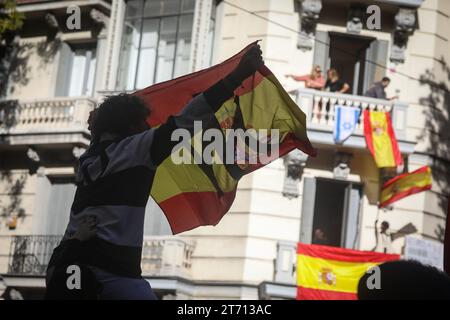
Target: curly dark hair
{"points": [[118, 114]]}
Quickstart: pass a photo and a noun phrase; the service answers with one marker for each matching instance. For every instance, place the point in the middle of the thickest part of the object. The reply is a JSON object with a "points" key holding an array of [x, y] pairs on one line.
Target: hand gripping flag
{"points": [[405, 185], [331, 273], [192, 195], [346, 121], [380, 139]]}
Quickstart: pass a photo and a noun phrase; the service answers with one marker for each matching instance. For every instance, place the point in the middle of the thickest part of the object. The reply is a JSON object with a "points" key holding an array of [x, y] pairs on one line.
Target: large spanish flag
{"points": [[405, 185], [380, 139], [331, 273], [192, 195]]}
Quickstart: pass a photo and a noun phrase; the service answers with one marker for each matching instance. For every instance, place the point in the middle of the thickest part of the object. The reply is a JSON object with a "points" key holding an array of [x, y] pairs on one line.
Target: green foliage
{"points": [[10, 18]]}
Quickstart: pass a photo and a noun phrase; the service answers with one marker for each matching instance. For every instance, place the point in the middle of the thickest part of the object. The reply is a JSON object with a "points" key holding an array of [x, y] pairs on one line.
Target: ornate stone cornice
{"points": [[341, 168], [405, 24], [294, 163], [309, 15]]}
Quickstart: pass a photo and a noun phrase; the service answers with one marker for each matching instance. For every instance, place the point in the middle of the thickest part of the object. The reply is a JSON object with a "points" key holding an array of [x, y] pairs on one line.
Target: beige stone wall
{"points": [[17, 193], [35, 75]]}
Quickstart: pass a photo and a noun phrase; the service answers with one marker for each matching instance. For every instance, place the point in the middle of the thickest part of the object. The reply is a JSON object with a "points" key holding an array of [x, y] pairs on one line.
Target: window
{"points": [[330, 212], [357, 59], [156, 42], [76, 73]]}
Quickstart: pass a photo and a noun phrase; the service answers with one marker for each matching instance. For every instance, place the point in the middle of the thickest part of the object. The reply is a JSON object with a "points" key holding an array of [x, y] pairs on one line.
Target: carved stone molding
{"points": [[309, 15], [98, 17], [405, 24], [341, 168], [34, 161], [294, 163], [54, 32], [78, 151], [51, 21], [355, 19]]}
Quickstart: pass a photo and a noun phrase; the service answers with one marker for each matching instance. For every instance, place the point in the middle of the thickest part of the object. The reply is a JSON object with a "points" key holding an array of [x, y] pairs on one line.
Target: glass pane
{"points": [[147, 56], [188, 6], [184, 45], [134, 8], [77, 73], [166, 49], [128, 55], [91, 74], [155, 8]]}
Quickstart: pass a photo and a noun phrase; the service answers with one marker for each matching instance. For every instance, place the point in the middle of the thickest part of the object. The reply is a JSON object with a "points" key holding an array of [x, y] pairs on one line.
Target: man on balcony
{"points": [[377, 91]]}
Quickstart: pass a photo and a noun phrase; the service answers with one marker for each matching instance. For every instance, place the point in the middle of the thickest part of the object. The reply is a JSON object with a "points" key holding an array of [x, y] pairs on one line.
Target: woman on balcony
{"points": [[334, 83], [314, 80]]}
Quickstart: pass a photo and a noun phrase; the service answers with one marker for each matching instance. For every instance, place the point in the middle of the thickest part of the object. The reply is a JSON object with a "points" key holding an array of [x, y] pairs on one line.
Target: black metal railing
{"points": [[29, 255]]}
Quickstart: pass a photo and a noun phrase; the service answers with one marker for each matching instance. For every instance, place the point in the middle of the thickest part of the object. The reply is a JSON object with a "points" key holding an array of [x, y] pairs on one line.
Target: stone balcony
{"points": [[48, 121], [319, 107]]}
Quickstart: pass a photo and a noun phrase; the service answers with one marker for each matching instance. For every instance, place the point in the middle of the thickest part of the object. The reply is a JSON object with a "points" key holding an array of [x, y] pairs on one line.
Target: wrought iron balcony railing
{"points": [[29, 255], [161, 256]]}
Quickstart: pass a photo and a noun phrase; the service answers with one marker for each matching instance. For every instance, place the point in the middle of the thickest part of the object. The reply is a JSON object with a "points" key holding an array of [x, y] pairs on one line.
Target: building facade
{"points": [[59, 70]]}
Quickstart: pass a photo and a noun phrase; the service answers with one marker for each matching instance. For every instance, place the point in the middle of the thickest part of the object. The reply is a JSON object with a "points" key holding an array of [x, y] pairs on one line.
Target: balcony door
{"points": [[76, 70], [356, 58], [54, 199], [330, 212]]}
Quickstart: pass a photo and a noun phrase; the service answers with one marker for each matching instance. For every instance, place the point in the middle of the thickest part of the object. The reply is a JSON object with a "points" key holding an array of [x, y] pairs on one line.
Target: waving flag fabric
{"points": [[331, 273], [192, 195], [380, 139], [405, 185], [346, 121]]}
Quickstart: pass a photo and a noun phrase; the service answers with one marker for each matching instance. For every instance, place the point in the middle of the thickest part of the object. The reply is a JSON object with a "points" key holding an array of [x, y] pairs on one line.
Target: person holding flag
{"points": [[116, 174]]}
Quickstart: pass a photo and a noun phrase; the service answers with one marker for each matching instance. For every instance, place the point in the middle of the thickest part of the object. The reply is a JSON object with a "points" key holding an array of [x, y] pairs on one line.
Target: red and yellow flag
{"points": [[331, 273], [405, 185], [380, 139], [192, 195]]}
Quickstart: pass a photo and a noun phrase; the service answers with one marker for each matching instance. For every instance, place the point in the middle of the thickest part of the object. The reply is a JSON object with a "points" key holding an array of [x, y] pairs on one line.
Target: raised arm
{"points": [[203, 107]]}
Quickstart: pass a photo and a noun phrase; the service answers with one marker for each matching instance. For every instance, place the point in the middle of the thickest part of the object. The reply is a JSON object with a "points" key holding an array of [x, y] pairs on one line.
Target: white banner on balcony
{"points": [[346, 121], [425, 251]]}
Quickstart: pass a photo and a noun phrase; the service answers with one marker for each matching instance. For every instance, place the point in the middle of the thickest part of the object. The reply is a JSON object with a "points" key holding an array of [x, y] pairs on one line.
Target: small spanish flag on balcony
{"points": [[331, 273], [405, 185], [380, 139], [192, 195]]}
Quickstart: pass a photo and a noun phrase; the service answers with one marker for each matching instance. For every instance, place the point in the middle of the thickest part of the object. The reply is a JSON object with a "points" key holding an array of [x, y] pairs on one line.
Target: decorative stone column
{"points": [[405, 24], [113, 42], [341, 168], [309, 15], [294, 163]]}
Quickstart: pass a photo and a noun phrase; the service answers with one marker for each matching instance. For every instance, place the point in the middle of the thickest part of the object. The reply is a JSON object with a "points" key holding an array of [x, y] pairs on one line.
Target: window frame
{"points": [[141, 18]]}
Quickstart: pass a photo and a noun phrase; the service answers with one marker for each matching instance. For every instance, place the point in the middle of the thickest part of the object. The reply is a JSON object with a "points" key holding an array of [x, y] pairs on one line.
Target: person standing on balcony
{"points": [[115, 176], [377, 91], [334, 83], [314, 80]]}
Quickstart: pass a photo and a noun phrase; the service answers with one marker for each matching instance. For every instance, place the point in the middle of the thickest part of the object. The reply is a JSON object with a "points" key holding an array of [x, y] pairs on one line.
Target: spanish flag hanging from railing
{"points": [[380, 139], [331, 273], [405, 185], [192, 195]]}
